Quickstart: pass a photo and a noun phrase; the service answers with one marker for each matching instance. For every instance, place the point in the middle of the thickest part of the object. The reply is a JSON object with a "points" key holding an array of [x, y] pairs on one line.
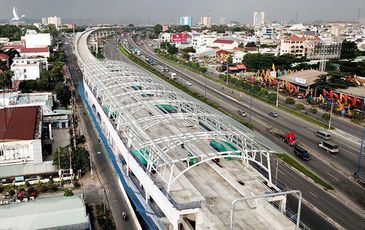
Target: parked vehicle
{"points": [[329, 146], [173, 76], [149, 61], [273, 114], [166, 69], [189, 83], [323, 135], [288, 137], [301, 152], [242, 113]]}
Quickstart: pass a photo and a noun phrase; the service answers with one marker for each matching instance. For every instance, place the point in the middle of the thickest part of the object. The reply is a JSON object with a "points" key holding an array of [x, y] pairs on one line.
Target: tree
{"points": [[6, 79], [172, 50], [79, 155], [189, 49], [349, 50], [157, 29], [184, 28], [251, 44], [63, 94]]}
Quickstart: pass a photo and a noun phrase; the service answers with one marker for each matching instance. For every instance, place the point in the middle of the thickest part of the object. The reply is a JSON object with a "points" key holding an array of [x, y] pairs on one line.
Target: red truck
{"points": [[288, 137]]}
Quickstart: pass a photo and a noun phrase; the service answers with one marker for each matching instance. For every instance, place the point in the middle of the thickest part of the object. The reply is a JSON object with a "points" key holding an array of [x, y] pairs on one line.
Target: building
{"points": [[23, 60], [52, 20], [258, 18], [20, 135], [206, 21], [324, 50], [56, 212], [225, 44], [186, 20], [203, 42], [29, 70], [293, 45], [38, 40], [223, 21]]}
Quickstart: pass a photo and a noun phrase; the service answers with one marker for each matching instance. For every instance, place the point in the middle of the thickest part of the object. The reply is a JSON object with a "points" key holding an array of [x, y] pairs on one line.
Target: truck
{"points": [[301, 152], [287, 137]]}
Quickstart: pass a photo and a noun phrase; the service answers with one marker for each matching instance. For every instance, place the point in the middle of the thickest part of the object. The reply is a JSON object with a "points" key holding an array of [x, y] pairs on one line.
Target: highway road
{"points": [[101, 164], [326, 202]]}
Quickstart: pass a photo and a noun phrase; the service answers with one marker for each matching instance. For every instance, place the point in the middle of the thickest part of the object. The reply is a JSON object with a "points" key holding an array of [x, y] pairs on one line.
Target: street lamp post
{"points": [[277, 92], [250, 105], [330, 121], [266, 196]]}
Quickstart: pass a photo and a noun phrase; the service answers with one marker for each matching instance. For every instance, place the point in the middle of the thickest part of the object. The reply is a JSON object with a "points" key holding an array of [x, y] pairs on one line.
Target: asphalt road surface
{"points": [[101, 164], [324, 201]]}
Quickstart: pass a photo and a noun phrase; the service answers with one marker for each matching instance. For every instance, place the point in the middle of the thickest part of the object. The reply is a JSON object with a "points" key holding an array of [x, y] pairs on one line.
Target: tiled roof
{"points": [[3, 56], [34, 50], [18, 123], [295, 38]]}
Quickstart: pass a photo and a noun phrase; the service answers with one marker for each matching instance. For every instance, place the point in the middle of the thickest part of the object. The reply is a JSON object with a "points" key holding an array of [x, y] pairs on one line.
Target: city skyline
{"points": [[146, 12]]}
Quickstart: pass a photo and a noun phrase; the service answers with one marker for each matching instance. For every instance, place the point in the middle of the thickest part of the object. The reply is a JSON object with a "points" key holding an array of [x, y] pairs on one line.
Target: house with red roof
{"points": [[295, 45], [225, 44]]}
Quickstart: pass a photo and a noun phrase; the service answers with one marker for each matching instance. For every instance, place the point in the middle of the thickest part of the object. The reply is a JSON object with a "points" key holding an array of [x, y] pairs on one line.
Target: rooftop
{"points": [[296, 38], [223, 41], [19, 123], [45, 213], [303, 78], [355, 91]]}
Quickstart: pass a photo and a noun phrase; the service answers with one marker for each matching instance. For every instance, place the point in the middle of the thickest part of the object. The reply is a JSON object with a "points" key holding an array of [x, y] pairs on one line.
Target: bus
{"points": [[329, 146]]}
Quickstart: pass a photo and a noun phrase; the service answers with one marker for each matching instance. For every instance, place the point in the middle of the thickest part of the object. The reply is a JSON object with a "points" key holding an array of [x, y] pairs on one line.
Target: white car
{"points": [[189, 83]]}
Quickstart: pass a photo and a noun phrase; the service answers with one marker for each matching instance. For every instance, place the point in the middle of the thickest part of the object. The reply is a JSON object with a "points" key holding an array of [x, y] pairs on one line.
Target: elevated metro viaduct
{"points": [[162, 144]]}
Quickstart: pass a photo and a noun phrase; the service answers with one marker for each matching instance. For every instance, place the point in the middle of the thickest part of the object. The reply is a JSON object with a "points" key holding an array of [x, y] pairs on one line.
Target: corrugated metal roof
{"points": [[50, 212]]}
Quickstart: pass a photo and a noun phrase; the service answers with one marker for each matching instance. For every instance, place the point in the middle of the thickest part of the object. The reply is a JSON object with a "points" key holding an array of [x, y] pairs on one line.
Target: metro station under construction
{"points": [[181, 162]]}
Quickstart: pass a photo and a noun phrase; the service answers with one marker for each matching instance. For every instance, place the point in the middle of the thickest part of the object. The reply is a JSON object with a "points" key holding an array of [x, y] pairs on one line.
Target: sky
{"points": [[169, 11]]}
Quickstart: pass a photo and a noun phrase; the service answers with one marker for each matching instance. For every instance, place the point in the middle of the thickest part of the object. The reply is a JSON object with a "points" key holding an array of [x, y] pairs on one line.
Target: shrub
{"points": [[68, 192], [42, 188], [27, 184], [76, 184], [326, 116], [1, 187], [53, 187], [11, 192], [289, 101], [271, 97], [314, 110], [299, 106]]}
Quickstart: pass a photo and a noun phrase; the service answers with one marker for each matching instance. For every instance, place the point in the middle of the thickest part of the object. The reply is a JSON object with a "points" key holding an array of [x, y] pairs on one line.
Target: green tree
{"points": [[63, 94], [157, 29], [6, 79], [172, 49], [79, 157], [348, 50], [251, 44]]}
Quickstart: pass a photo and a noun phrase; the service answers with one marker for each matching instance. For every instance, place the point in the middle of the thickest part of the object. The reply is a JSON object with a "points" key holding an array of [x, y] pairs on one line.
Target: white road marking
{"points": [[313, 194], [335, 178]]}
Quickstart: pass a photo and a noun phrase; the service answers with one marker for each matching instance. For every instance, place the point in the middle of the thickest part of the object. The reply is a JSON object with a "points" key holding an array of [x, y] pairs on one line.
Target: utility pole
{"points": [[329, 122], [276, 171], [277, 92], [250, 105]]}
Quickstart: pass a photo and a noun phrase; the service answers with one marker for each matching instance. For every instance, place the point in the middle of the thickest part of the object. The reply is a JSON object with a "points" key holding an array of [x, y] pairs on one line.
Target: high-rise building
{"points": [[206, 21], [186, 20], [222, 21], [258, 18], [45, 21], [52, 20]]}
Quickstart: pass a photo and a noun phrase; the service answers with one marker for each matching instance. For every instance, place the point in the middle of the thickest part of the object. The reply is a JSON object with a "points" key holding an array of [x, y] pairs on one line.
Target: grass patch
{"points": [[304, 117], [184, 88], [289, 160]]}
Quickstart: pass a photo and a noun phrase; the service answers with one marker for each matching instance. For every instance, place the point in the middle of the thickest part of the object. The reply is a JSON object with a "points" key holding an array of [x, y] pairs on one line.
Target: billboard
{"points": [[179, 37]]}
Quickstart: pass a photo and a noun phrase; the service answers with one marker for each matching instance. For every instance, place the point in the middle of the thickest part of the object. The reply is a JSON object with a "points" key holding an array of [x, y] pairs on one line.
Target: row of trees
{"points": [[257, 61]]}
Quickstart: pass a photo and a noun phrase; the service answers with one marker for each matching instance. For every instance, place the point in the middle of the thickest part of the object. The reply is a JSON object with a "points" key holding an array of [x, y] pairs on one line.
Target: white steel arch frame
{"points": [[111, 82]]}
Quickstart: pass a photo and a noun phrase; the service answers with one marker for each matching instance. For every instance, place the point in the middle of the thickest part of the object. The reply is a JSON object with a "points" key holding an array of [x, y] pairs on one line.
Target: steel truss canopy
{"points": [[169, 126]]}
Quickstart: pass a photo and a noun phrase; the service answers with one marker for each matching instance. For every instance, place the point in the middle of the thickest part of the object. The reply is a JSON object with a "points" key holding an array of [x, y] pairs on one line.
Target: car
{"points": [[189, 83], [273, 114], [242, 113], [323, 134]]}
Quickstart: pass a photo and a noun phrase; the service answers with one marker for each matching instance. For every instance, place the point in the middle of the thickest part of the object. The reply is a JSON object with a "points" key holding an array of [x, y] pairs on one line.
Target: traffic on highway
{"points": [[331, 156]]}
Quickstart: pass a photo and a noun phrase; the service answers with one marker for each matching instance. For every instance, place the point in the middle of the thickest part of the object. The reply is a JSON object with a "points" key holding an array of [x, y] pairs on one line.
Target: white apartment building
{"points": [[39, 40], [258, 18], [203, 42], [206, 21], [52, 20], [29, 70], [23, 60]]}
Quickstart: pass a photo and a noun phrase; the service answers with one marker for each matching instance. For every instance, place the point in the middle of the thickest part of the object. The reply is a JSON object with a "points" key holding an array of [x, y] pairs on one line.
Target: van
{"points": [[323, 135], [329, 146], [301, 152]]}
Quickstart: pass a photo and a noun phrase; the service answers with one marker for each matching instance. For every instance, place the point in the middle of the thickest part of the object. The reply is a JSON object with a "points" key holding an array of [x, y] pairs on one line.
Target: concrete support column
{"points": [[50, 131]]}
